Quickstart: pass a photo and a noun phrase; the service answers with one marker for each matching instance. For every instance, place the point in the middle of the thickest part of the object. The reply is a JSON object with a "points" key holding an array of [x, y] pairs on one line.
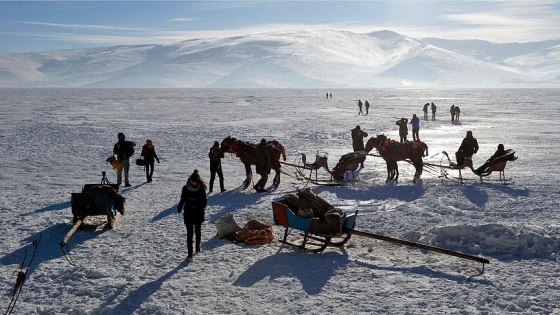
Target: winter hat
{"points": [[121, 136], [149, 141], [263, 141], [195, 177]]}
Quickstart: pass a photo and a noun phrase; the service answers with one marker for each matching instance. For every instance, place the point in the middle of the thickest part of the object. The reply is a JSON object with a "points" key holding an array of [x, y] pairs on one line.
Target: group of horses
{"points": [[391, 151]]}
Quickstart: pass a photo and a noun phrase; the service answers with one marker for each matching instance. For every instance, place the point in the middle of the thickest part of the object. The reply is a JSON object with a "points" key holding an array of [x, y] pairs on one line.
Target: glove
{"points": [[178, 210]]}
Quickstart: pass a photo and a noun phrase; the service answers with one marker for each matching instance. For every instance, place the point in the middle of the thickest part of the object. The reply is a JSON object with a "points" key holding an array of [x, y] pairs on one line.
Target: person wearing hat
{"points": [[216, 156], [149, 154], [468, 147], [263, 165], [193, 202], [123, 150], [403, 129]]}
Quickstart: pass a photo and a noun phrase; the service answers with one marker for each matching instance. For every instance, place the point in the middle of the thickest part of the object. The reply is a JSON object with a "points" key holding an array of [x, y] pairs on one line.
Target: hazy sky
{"points": [[30, 26]]}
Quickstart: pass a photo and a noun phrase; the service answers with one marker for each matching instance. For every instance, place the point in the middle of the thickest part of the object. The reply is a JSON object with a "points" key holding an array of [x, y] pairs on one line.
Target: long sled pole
{"points": [[418, 245]]}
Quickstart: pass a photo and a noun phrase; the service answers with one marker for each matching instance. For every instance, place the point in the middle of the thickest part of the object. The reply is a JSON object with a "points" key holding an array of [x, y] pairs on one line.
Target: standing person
{"points": [[452, 111], [216, 156], [330, 94], [193, 201], [149, 154], [123, 151], [327, 95], [360, 107], [425, 109], [358, 140], [263, 165], [403, 128], [367, 107], [415, 122], [468, 147], [433, 111], [457, 113]]}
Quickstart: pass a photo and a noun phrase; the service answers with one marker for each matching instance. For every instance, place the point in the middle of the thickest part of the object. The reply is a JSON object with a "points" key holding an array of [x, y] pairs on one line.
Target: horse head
{"points": [[374, 142], [227, 145]]}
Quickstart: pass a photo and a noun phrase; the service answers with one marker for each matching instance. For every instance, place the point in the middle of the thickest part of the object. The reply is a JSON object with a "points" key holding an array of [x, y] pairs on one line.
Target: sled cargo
{"points": [[94, 200]]}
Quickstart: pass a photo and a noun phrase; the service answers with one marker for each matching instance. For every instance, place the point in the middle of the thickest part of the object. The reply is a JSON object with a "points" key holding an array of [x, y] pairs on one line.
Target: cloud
{"points": [[85, 26], [181, 20]]}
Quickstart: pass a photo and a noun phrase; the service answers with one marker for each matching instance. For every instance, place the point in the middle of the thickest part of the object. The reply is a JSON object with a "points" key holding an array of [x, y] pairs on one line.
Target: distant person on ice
{"points": [[367, 107], [468, 147], [358, 136], [403, 129], [457, 113], [123, 150], [216, 156], [415, 122], [425, 109], [433, 111], [149, 154], [452, 112], [193, 202], [263, 165], [360, 104]]}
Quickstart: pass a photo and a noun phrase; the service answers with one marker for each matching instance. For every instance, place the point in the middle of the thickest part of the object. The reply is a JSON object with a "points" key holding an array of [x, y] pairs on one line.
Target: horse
{"points": [[245, 151], [392, 151]]}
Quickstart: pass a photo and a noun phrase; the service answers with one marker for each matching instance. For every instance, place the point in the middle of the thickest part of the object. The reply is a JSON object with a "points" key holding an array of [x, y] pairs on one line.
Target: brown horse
{"points": [[392, 151], [245, 151]]}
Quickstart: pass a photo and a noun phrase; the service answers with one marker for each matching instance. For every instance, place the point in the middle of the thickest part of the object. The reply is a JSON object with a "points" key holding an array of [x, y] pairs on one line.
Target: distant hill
{"points": [[298, 59]]}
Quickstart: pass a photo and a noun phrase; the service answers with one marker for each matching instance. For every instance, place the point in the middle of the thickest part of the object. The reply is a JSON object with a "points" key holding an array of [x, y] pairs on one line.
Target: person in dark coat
{"points": [[215, 155], [434, 108], [263, 165], [452, 112], [425, 109], [415, 122], [360, 104], [149, 154], [358, 136], [123, 151], [468, 147], [367, 107], [499, 153], [403, 128], [193, 202]]}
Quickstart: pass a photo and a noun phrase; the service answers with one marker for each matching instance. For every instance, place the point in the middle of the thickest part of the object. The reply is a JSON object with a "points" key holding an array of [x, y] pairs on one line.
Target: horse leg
{"points": [[249, 175], [396, 166]]}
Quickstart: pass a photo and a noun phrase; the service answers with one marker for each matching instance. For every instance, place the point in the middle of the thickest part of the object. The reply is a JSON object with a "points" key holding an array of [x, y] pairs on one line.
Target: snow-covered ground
{"points": [[56, 140]]}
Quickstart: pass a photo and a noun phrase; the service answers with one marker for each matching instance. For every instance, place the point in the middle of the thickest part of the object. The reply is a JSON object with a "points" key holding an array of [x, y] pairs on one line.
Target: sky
{"points": [[34, 26]]}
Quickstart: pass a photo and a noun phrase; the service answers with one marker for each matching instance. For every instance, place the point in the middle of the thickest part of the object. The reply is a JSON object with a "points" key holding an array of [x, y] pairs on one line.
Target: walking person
{"points": [[263, 165], [193, 202], [433, 111], [415, 122], [216, 156], [360, 104], [367, 107], [403, 129], [149, 154], [123, 150]]}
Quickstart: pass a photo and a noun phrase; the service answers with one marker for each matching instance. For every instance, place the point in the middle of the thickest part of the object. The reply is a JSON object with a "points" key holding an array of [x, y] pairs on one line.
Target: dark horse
{"points": [[392, 151], [245, 151]]}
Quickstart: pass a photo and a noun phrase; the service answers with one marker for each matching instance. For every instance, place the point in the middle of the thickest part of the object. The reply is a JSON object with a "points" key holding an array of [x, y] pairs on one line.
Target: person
{"points": [[123, 151], [193, 202], [367, 107], [360, 107], [457, 113], [358, 140], [468, 147], [262, 165], [485, 167], [433, 111], [327, 95], [216, 156], [415, 122], [425, 109], [452, 111], [403, 128], [149, 154], [330, 94]]}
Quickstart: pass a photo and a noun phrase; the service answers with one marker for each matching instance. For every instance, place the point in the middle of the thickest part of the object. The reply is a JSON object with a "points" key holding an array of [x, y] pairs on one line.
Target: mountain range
{"points": [[296, 59]]}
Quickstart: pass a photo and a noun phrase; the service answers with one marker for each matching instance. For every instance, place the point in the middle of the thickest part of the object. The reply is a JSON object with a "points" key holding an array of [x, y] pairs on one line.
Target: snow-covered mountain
{"points": [[298, 59]]}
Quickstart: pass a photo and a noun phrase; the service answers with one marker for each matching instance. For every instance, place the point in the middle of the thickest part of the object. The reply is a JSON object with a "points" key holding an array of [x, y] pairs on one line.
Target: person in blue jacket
{"points": [[415, 122]]}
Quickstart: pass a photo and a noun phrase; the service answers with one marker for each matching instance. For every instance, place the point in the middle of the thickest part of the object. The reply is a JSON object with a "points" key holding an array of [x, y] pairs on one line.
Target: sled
{"points": [[315, 238]]}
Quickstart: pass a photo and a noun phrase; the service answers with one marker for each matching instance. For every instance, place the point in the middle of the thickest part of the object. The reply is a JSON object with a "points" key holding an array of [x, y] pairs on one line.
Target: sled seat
{"points": [[498, 167]]}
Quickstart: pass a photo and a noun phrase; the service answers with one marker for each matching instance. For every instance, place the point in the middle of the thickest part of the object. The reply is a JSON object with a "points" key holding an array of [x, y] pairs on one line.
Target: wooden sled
{"points": [[314, 238]]}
